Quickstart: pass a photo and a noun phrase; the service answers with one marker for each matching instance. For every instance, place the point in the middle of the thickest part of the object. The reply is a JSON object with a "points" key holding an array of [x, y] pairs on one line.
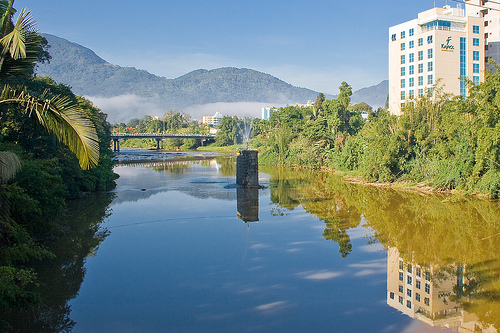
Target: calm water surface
{"points": [[183, 251]]}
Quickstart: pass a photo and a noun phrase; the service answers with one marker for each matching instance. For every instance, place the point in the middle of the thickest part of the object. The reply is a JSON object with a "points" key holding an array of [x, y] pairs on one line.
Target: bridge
{"points": [[159, 137]]}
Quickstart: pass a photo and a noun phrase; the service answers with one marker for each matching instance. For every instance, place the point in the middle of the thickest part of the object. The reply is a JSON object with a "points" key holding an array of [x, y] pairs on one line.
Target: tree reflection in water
{"points": [[454, 239], [311, 190], [59, 279]]}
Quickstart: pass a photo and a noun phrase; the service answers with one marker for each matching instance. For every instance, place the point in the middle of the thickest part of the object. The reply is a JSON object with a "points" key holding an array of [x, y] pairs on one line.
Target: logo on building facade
{"points": [[447, 46]]}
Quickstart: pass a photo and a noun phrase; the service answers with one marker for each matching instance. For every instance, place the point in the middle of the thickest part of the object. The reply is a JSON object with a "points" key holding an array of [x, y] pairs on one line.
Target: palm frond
{"points": [[9, 165], [15, 41], [60, 116]]}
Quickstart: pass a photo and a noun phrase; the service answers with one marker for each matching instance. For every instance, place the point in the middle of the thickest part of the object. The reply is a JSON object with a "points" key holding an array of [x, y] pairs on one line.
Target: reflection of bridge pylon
{"points": [[248, 204]]}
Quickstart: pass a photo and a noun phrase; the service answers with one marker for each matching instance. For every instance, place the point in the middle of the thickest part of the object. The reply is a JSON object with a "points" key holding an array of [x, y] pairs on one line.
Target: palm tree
{"points": [[20, 46], [9, 164]]}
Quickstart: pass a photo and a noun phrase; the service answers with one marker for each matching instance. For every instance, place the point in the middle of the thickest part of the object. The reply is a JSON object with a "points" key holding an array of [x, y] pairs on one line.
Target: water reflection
{"points": [[60, 278], [443, 265], [442, 296], [443, 252], [311, 190], [248, 204]]}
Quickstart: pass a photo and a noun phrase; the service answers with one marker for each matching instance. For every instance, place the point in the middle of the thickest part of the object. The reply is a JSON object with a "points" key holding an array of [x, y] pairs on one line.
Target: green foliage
{"points": [[34, 118], [447, 142]]}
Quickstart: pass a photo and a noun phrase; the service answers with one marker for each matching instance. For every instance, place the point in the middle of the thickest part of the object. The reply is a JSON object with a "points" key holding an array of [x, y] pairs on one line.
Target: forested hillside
{"points": [[90, 75]]}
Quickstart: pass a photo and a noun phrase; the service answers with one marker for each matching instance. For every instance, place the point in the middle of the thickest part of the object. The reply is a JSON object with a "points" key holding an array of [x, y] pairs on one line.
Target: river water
{"points": [[179, 249]]}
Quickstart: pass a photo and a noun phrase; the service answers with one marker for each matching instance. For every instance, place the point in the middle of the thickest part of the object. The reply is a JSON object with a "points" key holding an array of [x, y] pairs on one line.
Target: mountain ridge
{"points": [[129, 92]]}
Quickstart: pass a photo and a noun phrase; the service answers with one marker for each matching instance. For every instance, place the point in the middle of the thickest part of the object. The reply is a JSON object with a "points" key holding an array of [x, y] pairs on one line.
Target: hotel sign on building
{"points": [[442, 44]]}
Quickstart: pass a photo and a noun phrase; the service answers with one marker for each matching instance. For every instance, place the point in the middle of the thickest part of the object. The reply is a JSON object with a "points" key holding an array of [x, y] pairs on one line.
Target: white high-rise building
{"points": [[442, 44], [489, 11]]}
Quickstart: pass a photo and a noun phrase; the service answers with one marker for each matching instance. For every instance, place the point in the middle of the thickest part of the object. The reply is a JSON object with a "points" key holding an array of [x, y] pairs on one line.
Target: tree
{"points": [[21, 46], [318, 105]]}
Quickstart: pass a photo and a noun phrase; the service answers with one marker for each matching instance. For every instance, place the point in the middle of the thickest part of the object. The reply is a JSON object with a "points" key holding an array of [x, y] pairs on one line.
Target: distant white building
{"points": [[213, 120], [266, 112]]}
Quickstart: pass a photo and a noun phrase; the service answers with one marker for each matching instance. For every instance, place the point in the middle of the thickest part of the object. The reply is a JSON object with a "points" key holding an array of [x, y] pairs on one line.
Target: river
{"points": [[177, 248]]}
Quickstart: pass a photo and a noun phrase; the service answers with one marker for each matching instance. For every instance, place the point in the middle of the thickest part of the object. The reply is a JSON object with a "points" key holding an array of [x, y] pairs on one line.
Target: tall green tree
{"points": [[318, 105]]}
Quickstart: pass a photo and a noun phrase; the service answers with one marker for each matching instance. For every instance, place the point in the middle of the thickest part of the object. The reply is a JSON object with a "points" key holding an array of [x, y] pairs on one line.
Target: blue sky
{"points": [[312, 44]]}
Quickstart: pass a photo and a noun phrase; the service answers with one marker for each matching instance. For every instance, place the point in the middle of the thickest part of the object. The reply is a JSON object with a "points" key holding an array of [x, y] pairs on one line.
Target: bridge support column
{"points": [[116, 145], [158, 143]]}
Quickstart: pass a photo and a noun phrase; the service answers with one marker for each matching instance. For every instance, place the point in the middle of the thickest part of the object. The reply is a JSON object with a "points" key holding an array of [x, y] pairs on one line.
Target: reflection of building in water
{"points": [[417, 292], [248, 204]]}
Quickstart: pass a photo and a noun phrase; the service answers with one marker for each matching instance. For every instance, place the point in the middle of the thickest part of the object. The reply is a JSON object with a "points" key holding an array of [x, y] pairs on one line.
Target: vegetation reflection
{"points": [[59, 279], [443, 253]]}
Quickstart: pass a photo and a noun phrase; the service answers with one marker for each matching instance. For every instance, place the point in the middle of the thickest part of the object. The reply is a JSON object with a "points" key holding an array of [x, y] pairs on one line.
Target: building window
{"points": [[420, 41], [393, 37], [430, 91], [411, 94], [426, 301], [430, 66], [411, 82], [402, 46], [420, 92], [408, 292], [427, 288], [475, 29], [420, 68], [402, 34], [401, 265], [412, 57], [401, 289], [400, 299], [417, 297], [475, 68], [403, 83], [429, 39], [411, 32], [408, 304], [475, 55], [403, 71], [409, 280], [475, 79], [420, 55], [429, 54], [417, 284], [411, 44], [475, 41], [485, 35], [428, 276], [411, 70], [430, 79], [391, 295], [420, 83], [410, 268], [402, 98], [463, 73], [402, 59], [419, 272]]}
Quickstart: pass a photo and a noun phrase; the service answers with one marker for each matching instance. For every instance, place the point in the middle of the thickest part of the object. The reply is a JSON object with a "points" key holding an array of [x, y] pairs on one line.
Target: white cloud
{"points": [[125, 107]]}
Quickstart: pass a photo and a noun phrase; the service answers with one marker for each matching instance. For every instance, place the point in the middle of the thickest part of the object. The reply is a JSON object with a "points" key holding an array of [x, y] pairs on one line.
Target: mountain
{"points": [[375, 96], [126, 92]]}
